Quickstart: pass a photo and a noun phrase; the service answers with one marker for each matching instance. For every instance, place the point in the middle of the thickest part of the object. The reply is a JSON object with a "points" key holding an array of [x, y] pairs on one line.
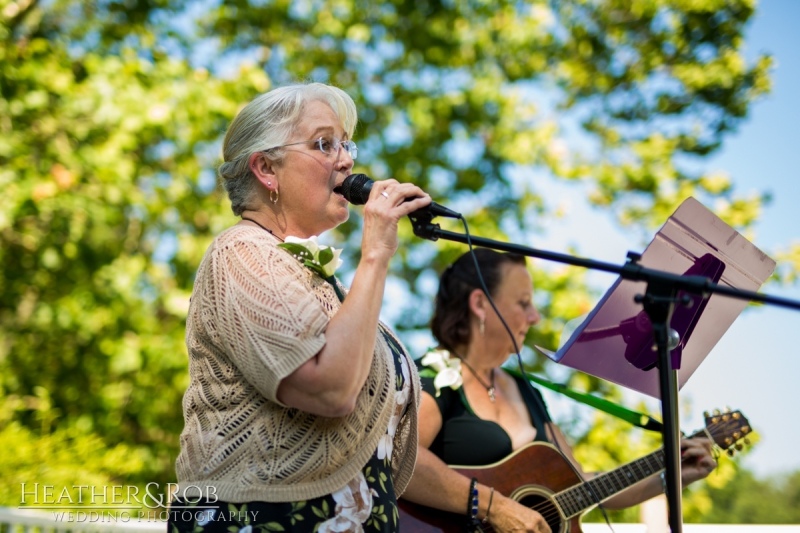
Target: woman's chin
{"points": [[341, 213]]}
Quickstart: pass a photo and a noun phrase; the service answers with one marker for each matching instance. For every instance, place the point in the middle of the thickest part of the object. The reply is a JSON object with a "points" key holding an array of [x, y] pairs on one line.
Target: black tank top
{"points": [[467, 440]]}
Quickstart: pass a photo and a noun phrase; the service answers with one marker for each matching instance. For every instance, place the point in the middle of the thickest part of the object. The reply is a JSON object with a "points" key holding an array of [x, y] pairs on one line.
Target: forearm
{"points": [[329, 383], [636, 494], [341, 368], [697, 462], [633, 495], [437, 485], [352, 332]]}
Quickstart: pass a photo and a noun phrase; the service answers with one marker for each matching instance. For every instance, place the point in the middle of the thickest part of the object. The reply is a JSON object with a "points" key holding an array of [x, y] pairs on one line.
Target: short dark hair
{"points": [[450, 322]]}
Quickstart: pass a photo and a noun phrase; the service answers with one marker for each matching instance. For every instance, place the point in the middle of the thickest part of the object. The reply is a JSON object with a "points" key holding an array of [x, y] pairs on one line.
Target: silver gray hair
{"points": [[268, 121]]}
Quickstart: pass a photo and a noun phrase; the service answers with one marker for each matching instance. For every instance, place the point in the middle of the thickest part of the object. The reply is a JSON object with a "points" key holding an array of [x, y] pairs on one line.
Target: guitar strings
{"points": [[551, 508]]}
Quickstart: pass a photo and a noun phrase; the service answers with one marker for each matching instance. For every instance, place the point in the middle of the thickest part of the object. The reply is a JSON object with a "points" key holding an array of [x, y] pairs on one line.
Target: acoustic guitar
{"points": [[540, 477]]}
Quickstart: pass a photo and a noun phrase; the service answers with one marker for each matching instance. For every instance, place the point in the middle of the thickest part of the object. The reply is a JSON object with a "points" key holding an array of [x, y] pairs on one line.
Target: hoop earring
{"points": [[274, 199], [483, 326]]}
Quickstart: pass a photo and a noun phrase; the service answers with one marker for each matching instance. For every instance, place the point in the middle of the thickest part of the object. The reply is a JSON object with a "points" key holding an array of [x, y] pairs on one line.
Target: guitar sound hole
{"points": [[546, 508]]}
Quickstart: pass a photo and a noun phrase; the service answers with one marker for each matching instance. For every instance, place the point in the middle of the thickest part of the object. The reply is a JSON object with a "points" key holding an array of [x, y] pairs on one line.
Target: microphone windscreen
{"points": [[356, 188]]}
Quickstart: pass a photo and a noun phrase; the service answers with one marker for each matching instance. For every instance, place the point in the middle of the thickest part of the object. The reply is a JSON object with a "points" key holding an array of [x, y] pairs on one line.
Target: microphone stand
{"points": [[658, 302]]}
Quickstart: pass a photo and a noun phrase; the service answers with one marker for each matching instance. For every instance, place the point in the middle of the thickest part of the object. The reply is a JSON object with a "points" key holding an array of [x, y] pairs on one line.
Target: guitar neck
{"points": [[583, 496], [577, 499]]}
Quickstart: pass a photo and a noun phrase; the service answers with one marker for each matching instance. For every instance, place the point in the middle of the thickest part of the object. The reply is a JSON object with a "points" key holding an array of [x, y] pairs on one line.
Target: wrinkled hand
{"points": [[697, 459], [507, 515], [386, 205]]}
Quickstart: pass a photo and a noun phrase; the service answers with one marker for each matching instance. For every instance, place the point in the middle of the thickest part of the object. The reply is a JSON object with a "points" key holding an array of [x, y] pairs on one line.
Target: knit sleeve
{"points": [[268, 317]]}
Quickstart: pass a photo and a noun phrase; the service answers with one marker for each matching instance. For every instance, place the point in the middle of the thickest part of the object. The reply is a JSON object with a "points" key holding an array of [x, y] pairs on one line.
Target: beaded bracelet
{"points": [[472, 503]]}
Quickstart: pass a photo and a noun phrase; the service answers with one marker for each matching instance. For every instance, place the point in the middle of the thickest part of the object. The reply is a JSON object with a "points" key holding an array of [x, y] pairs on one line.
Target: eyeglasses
{"points": [[327, 146]]}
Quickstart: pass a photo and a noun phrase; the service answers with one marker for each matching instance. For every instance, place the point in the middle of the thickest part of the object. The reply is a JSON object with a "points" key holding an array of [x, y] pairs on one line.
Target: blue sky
{"points": [[756, 365]]}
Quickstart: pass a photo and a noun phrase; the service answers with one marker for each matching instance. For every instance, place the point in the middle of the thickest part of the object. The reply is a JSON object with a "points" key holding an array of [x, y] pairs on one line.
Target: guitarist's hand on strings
{"points": [[697, 459], [510, 515]]}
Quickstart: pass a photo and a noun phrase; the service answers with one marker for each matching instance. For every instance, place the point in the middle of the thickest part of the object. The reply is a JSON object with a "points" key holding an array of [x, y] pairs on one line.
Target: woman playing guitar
{"points": [[474, 413]]}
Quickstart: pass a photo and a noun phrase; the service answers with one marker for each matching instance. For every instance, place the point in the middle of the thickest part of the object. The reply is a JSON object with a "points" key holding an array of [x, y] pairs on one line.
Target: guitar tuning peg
{"points": [[747, 441], [728, 409], [706, 414], [717, 412], [739, 446], [730, 452]]}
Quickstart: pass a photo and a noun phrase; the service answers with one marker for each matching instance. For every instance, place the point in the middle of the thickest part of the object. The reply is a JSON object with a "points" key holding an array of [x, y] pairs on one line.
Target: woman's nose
{"points": [[345, 160], [534, 317]]}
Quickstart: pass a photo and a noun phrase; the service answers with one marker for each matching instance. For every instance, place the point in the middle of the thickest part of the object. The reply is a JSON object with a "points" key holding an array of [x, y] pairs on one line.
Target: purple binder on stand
{"points": [[615, 342]]}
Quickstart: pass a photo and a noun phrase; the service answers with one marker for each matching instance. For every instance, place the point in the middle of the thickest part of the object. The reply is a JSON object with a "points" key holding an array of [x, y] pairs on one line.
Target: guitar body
{"points": [[540, 478], [531, 476]]}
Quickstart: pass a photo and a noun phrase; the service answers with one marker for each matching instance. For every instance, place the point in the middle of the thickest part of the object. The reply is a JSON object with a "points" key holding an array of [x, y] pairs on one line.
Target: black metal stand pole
{"points": [[659, 302]]}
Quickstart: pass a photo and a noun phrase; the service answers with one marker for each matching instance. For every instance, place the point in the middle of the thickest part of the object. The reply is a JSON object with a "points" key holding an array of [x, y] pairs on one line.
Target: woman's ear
{"points": [[477, 303], [263, 168]]}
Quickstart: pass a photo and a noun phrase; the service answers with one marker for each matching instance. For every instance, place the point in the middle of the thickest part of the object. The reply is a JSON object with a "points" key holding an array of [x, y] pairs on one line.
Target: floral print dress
{"points": [[366, 504]]}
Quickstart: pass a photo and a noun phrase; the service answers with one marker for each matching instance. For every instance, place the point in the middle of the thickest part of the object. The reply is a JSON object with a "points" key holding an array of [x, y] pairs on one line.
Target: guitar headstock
{"points": [[728, 429]]}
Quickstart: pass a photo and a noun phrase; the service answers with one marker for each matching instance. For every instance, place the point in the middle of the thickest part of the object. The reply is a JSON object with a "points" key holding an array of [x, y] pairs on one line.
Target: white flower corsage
{"points": [[324, 260], [444, 367]]}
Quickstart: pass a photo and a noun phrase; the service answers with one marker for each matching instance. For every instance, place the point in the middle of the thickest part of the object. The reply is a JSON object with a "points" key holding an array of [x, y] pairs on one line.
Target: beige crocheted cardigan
{"points": [[256, 315]]}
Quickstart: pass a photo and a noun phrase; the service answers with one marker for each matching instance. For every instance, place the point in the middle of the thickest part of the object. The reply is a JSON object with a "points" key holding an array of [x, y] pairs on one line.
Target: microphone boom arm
{"points": [[426, 229]]}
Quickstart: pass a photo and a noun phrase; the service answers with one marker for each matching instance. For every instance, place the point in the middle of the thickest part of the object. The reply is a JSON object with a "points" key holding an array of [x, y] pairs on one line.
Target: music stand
{"points": [[615, 341]]}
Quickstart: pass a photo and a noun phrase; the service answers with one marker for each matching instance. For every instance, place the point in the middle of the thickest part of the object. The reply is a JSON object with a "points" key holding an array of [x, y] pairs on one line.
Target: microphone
{"points": [[356, 187]]}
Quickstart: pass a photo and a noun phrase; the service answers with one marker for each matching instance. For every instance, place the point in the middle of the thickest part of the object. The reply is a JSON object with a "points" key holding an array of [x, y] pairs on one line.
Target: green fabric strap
{"points": [[632, 417]]}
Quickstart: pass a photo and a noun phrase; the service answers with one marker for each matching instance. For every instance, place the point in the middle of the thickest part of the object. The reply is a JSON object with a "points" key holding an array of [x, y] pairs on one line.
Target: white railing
{"points": [[27, 521], [692, 528]]}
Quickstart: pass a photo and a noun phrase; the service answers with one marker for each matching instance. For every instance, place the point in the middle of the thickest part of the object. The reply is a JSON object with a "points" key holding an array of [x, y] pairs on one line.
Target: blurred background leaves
{"points": [[111, 116]]}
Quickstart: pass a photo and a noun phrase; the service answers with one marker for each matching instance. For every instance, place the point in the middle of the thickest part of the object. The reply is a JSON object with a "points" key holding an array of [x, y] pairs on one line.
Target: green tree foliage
{"points": [[479, 101], [748, 500], [103, 157], [111, 114], [59, 456]]}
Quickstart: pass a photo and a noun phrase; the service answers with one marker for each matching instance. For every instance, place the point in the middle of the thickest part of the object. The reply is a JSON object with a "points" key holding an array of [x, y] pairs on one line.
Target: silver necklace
{"points": [[490, 389]]}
